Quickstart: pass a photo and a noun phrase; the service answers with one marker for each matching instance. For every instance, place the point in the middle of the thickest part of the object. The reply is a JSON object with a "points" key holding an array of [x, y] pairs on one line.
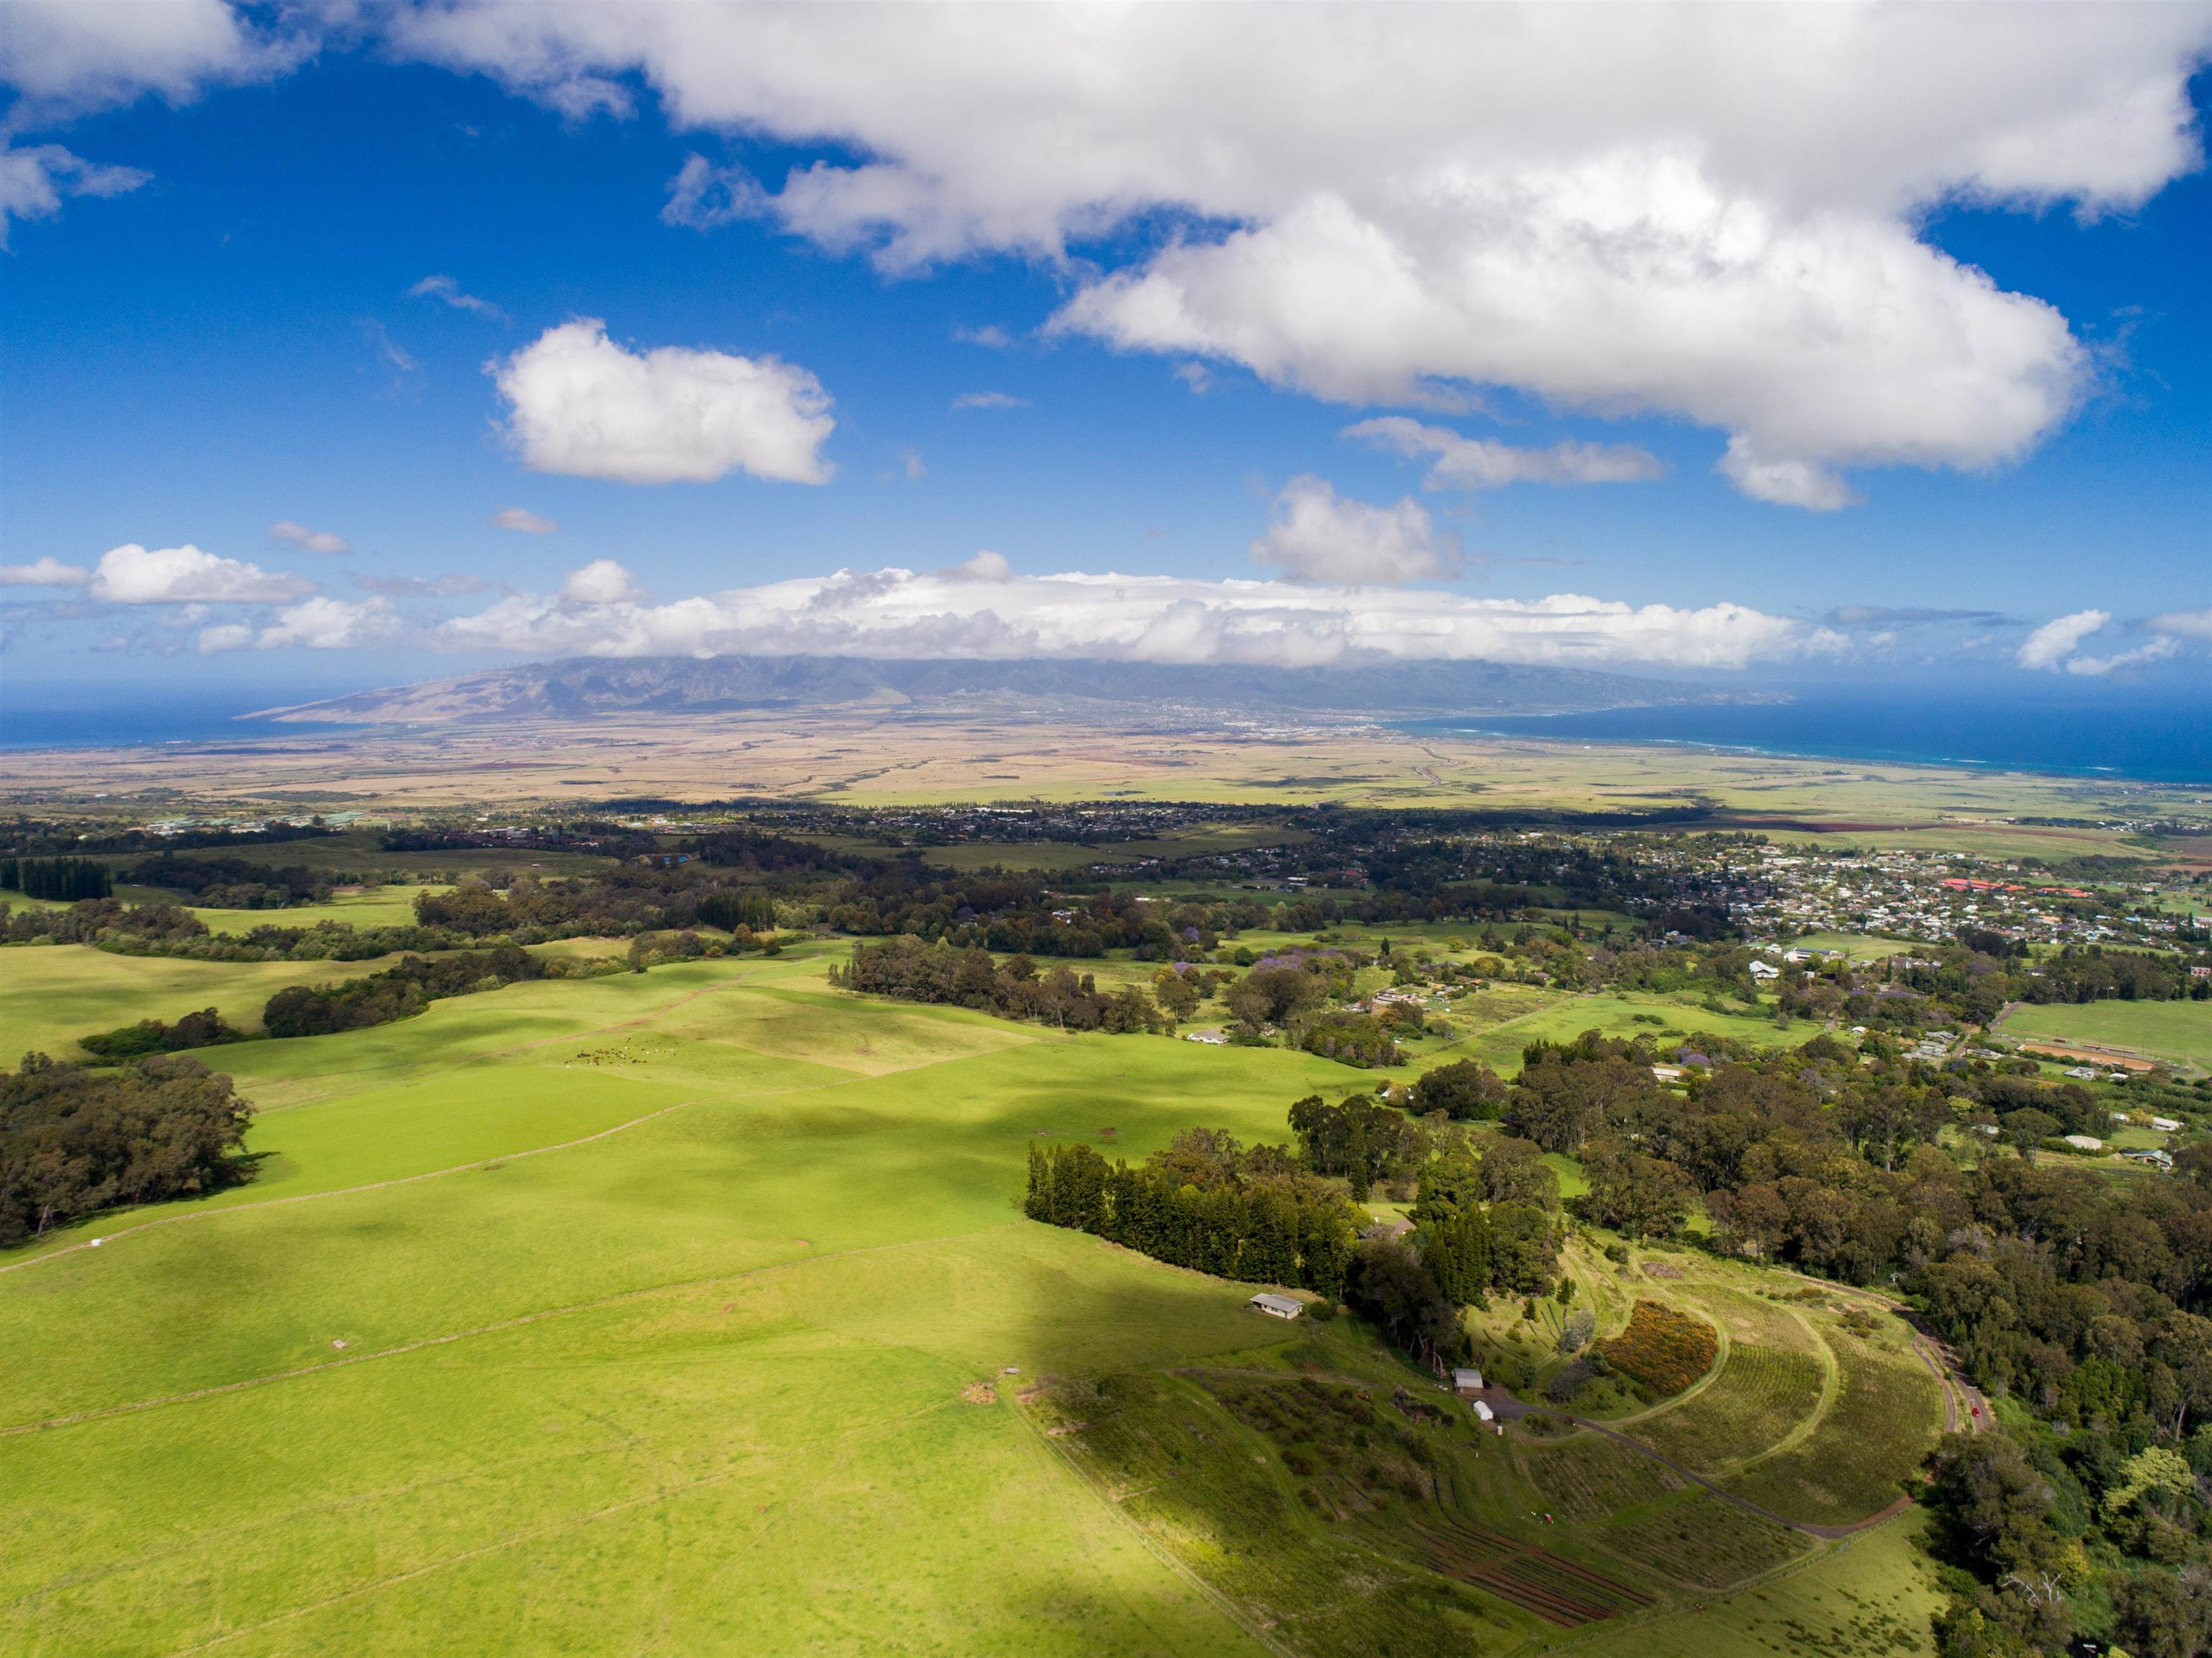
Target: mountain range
{"points": [[585, 686]]}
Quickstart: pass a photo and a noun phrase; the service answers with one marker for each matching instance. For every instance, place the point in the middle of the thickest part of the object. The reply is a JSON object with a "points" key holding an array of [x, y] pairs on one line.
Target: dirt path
{"points": [[1943, 1363]]}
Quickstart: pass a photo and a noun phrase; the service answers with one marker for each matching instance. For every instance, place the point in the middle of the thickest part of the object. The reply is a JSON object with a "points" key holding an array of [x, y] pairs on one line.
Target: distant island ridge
{"points": [[581, 687]]}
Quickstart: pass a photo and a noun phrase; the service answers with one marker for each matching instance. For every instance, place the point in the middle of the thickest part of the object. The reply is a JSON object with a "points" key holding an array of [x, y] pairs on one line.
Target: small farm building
{"points": [[1483, 1412], [1467, 1381], [1280, 1306]]}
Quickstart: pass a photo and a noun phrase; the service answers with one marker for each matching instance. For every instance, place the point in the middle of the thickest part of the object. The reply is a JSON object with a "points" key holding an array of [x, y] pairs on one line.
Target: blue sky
{"points": [[228, 331]]}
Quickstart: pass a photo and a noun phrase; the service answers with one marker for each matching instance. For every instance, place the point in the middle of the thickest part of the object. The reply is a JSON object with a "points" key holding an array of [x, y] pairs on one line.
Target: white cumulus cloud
{"points": [[2049, 646], [46, 571], [1481, 463], [1806, 483], [602, 582], [1711, 214], [1318, 535], [522, 519], [321, 623], [69, 56], [982, 609], [307, 541], [35, 177], [2157, 650], [131, 575], [2184, 624], [582, 404]]}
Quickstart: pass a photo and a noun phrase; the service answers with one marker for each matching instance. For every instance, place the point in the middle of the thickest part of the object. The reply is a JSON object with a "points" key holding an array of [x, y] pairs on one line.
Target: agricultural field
{"points": [[1887, 1409], [1760, 1394], [1702, 1541], [850, 756], [2180, 1032]]}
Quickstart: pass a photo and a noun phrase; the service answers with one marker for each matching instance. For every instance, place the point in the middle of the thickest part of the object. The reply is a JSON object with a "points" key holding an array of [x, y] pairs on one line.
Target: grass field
{"points": [[2178, 1031], [688, 1311], [52, 995], [1624, 1014], [692, 1381]]}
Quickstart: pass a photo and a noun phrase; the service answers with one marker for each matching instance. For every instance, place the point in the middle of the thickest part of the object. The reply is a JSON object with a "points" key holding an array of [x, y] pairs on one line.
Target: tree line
{"points": [[398, 992], [73, 1141], [1205, 1203], [62, 879], [232, 883], [1486, 1217], [912, 971]]}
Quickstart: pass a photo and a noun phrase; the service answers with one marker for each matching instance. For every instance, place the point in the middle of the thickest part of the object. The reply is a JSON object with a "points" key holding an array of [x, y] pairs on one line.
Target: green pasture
{"points": [[51, 994], [651, 1312], [710, 1365], [1626, 1013], [2178, 1031], [383, 906], [1857, 947]]}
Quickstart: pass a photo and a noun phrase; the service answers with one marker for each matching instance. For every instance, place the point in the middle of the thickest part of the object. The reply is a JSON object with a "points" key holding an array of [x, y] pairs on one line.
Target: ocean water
{"points": [[2163, 739], [44, 721]]}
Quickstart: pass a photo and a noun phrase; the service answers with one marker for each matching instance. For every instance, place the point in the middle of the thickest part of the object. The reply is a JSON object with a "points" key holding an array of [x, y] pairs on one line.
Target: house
{"points": [[2085, 1142], [1211, 1039], [2158, 1160], [1465, 1382], [1667, 1073], [2167, 1125], [1277, 1306], [1760, 970]]}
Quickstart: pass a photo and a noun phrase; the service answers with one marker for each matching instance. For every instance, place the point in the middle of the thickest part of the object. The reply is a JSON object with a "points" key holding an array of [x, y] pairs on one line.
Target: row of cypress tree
{"points": [[1284, 1228], [65, 879]]}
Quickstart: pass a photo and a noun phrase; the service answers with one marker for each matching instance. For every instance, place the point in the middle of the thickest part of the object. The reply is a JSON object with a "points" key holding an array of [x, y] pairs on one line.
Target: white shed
{"points": [[1483, 1412], [1278, 1307]]}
